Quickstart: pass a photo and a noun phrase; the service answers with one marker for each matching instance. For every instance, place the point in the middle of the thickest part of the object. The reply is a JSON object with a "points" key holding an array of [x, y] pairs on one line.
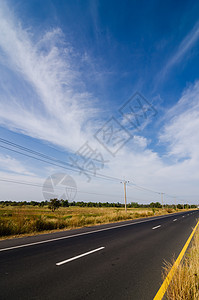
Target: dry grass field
{"points": [[28, 220], [185, 282]]}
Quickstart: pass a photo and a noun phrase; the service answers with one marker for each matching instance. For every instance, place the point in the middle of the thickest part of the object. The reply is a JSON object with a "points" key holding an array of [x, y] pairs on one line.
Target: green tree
{"points": [[64, 203], [179, 206], [54, 204], [135, 205]]}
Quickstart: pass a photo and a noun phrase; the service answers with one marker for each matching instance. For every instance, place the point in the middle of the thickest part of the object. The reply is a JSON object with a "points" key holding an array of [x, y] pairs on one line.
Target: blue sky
{"points": [[67, 67]]}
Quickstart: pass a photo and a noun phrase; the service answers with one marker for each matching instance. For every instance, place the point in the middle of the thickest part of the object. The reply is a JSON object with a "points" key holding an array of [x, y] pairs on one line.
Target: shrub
{"points": [[54, 204]]}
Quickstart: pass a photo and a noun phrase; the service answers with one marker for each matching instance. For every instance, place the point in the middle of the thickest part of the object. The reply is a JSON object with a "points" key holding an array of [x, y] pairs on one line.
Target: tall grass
{"points": [[27, 219], [185, 282]]}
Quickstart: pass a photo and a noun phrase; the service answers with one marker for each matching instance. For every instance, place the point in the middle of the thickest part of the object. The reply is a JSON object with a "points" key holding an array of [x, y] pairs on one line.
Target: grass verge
{"points": [[185, 282]]}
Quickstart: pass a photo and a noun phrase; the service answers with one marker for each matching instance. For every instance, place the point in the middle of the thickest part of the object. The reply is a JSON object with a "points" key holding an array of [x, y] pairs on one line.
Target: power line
{"points": [[49, 160], [65, 165], [149, 190], [142, 188], [61, 188], [33, 151]]}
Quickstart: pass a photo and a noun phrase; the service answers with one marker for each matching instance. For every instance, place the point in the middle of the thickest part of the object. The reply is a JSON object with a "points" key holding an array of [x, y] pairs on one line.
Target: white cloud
{"points": [[187, 43], [140, 141], [11, 164], [17, 192], [181, 130], [46, 101], [175, 173]]}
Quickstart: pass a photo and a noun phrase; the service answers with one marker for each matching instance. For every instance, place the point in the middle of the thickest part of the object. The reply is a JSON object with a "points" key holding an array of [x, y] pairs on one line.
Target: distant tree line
{"points": [[65, 203]]}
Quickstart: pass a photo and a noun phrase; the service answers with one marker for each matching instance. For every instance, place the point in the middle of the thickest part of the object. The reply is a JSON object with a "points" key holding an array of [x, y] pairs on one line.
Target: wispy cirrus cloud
{"points": [[43, 95], [184, 47], [42, 92]]}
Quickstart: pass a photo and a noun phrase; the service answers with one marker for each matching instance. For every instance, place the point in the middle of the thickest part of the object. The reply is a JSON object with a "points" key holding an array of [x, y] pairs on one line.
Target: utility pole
{"points": [[175, 203], [162, 199], [125, 182]]}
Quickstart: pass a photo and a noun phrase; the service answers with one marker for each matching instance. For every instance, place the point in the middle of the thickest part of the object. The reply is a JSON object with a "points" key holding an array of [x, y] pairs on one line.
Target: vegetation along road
{"points": [[114, 261]]}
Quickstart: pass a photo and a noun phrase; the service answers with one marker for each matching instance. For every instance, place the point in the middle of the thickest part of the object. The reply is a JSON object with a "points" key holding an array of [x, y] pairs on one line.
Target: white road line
{"points": [[174, 220], [183, 216], [83, 233], [78, 256], [156, 227]]}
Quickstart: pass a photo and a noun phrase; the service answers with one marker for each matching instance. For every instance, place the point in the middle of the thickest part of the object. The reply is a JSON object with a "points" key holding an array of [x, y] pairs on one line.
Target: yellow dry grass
{"points": [[28, 220], [185, 282]]}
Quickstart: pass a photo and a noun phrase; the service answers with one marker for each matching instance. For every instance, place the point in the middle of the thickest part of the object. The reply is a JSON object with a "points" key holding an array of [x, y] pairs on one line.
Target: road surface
{"points": [[115, 261]]}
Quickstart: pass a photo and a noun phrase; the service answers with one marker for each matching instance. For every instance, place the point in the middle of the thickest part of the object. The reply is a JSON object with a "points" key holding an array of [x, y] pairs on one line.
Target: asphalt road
{"points": [[115, 261]]}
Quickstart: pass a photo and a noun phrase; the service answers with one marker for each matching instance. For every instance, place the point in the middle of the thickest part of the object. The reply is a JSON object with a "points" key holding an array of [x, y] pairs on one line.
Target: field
{"points": [[28, 220]]}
